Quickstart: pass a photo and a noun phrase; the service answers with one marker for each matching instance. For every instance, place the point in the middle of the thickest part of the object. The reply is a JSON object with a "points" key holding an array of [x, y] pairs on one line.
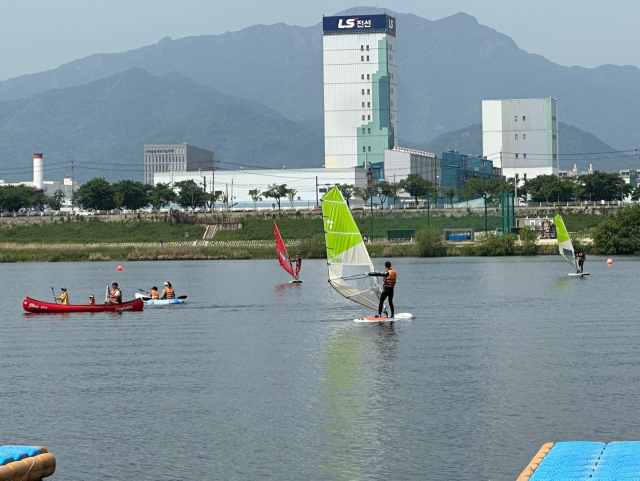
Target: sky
{"points": [[37, 35]]}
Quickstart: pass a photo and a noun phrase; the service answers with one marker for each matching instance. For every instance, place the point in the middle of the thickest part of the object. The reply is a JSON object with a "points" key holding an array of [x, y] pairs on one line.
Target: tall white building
{"points": [[360, 94], [521, 136]]}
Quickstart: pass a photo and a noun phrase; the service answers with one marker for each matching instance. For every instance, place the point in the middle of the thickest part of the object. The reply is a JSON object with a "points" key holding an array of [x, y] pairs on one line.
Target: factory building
{"points": [[174, 158], [521, 136], [360, 92], [49, 187]]}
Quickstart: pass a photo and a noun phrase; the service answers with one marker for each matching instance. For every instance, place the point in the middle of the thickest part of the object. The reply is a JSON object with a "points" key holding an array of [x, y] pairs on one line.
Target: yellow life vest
{"points": [[154, 294], [64, 298]]}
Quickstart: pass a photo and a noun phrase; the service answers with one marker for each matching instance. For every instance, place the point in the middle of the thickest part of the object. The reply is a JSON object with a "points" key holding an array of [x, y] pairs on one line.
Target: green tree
{"points": [[95, 194], [362, 193], [212, 198], [131, 194], [276, 192], [449, 193], [291, 195], [384, 191], [466, 193], [429, 242], [603, 186], [347, 191], [620, 235], [416, 186], [255, 196], [161, 196], [56, 200], [480, 186], [528, 237], [15, 197], [190, 194]]}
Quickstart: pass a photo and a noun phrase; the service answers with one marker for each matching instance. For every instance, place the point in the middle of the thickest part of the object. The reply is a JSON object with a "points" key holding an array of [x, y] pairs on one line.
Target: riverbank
{"points": [[12, 252]]}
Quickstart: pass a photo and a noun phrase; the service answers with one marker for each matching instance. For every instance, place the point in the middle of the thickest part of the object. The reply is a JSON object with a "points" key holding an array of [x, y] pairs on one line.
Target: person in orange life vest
{"points": [[154, 293], [298, 266], [64, 297], [168, 292], [92, 300], [389, 277], [115, 297]]}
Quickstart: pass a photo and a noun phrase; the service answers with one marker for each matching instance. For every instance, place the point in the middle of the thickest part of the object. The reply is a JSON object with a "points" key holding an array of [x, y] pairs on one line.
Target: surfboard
{"points": [[403, 316], [578, 274]]}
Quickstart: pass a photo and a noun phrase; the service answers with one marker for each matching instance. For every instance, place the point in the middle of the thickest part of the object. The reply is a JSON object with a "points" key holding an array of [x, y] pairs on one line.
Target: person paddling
{"points": [[298, 266], [64, 297], [389, 282], [115, 297], [168, 292], [581, 260]]}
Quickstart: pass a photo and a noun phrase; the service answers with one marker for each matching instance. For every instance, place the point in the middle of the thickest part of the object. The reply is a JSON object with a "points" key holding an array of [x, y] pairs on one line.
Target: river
{"points": [[254, 377]]}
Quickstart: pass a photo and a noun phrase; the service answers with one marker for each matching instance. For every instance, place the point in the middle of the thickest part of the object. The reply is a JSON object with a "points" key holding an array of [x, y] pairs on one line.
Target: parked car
{"points": [[85, 212]]}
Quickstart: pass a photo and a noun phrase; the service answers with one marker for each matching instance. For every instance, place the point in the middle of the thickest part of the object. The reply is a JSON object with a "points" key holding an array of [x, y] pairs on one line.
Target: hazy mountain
{"points": [[446, 67], [105, 123], [575, 147]]}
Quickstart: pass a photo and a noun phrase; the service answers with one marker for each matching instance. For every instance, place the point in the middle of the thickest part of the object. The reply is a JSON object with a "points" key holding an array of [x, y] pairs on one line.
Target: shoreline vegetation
{"points": [[138, 240]]}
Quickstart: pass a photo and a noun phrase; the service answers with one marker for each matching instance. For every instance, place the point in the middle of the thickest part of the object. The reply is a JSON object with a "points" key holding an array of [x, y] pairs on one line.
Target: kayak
{"points": [[31, 305], [159, 302]]}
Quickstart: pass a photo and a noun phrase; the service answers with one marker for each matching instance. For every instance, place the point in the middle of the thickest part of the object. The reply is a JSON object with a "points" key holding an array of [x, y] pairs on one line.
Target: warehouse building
{"points": [[174, 158]]}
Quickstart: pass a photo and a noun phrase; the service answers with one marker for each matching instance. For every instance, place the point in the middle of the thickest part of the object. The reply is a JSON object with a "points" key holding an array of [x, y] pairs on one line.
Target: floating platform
{"points": [[585, 460], [25, 463]]}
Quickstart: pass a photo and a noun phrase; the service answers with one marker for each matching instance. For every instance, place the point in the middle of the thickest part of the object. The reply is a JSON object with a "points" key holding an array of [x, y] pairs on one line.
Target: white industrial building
{"points": [[176, 158], [521, 136], [360, 93], [49, 187], [310, 184]]}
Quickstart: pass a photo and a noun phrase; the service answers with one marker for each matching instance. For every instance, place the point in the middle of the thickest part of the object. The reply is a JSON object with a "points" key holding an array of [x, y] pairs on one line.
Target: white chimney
{"points": [[38, 176]]}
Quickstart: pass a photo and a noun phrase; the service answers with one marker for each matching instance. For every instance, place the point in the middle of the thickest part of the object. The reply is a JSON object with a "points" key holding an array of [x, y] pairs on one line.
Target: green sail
{"points": [[347, 256], [564, 242]]}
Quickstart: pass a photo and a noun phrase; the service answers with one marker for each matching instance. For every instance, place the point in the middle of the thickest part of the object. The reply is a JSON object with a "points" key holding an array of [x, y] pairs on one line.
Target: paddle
{"points": [[141, 290], [148, 298], [54, 295]]}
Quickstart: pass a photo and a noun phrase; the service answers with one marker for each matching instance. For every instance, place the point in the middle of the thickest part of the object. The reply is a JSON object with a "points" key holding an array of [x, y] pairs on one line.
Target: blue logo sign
{"points": [[359, 23]]}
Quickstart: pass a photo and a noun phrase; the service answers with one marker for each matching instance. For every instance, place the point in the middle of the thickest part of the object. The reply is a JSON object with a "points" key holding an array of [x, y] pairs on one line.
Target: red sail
{"points": [[283, 255]]}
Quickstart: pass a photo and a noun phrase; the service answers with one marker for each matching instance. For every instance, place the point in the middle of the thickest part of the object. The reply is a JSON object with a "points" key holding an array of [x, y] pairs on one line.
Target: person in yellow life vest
{"points": [[389, 283], [154, 293], [64, 297], [92, 300], [168, 292], [115, 296]]}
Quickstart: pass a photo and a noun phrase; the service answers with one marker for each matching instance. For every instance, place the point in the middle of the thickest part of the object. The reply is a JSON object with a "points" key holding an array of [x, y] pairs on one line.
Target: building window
{"points": [[362, 104], [362, 58], [369, 149], [363, 130], [369, 129], [554, 137], [391, 89], [367, 48], [367, 58], [368, 91], [553, 118], [367, 76], [516, 156], [516, 118], [362, 77], [369, 104], [368, 117], [362, 91], [516, 136], [364, 148], [524, 156], [554, 156], [363, 117], [362, 48], [392, 103], [524, 136], [524, 117]]}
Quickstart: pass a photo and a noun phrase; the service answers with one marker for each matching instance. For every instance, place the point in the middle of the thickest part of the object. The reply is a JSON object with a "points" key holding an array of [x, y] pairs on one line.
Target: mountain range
{"points": [[273, 74]]}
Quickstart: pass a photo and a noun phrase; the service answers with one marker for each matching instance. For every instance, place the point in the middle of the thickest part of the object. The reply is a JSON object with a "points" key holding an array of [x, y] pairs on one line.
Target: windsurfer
{"points": [[298, 266], [581, 260], [115, 297], [389, 283]]}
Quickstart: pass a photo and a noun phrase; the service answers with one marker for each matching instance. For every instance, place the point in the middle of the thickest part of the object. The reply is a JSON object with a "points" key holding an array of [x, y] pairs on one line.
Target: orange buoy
{"points": [[119, 268], [609, 261]]}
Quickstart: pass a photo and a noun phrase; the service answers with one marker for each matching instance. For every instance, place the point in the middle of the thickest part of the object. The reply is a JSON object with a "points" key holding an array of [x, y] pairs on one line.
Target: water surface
{"points": [[254, 377]]}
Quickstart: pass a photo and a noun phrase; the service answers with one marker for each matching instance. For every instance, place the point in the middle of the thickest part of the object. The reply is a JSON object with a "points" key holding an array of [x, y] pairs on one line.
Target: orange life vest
{"points": [[114, 293], [390, 280], [169, 293], [154, 294]]}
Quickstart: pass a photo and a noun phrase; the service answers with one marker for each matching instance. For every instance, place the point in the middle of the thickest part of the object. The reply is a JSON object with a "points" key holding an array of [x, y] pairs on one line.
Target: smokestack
{"points": [[38, 178]]}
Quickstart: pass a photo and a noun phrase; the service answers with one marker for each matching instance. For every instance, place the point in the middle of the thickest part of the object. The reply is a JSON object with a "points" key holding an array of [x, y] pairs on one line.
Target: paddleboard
{"points": [[403, 316], [295, 282], [578, 274]]}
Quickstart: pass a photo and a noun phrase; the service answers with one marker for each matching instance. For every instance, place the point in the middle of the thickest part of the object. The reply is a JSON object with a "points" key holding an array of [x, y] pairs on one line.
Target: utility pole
{"points": [[72, 182], [316, 191], [517, 202]]}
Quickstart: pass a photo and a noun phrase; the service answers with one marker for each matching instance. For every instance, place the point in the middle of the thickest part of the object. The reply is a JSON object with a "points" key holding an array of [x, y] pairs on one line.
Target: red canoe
{"points": [[31, 305]]}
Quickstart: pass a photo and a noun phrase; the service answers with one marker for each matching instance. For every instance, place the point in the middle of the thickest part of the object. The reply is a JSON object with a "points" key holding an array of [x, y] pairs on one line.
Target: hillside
{"points": [[573, 145], [107, 122], [446, 67]]}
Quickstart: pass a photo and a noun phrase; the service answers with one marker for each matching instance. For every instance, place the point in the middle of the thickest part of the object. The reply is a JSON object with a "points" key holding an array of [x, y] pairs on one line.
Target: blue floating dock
{"points": [[585, 460]]}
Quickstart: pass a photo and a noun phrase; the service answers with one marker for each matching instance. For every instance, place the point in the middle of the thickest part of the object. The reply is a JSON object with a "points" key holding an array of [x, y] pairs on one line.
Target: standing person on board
{"points": [[168, 292], [298, 266], [64, 297], [115, 297], [389, 277], [581, 260]]}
